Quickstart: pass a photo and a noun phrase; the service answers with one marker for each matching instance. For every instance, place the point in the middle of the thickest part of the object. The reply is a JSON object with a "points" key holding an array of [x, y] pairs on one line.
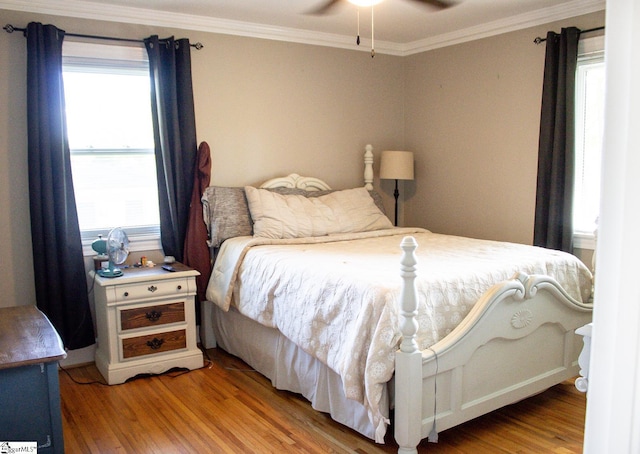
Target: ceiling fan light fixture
{"points": [[365, 2]]}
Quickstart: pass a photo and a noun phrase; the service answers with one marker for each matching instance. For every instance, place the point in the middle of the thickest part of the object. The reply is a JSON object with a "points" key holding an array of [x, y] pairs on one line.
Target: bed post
{"points": [[408, 370], [368, 168]]}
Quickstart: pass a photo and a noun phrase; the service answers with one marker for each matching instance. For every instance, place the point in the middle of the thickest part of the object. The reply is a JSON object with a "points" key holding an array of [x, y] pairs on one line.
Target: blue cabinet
{"points": [[29, 391]]}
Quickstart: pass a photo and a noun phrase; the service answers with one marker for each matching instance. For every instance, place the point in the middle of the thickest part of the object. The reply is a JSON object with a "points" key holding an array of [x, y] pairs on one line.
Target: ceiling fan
{"points": [[328, 5]]}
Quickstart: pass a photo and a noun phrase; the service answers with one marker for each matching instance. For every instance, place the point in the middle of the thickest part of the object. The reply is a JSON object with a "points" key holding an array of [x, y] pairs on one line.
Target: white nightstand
{"points": [[146, 322]]}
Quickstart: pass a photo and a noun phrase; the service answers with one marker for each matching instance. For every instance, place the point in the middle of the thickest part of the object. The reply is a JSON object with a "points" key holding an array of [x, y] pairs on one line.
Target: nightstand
{"points": [[146, 322], [30, 349]]}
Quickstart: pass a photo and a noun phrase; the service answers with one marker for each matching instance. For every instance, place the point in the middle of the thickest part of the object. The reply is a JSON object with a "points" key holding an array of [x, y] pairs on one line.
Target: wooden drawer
{"points": [[154, 343], [144, 317], [151, 289]]}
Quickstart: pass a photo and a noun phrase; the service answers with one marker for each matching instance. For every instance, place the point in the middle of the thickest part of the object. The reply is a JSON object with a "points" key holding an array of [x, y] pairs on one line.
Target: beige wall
{"points": [[271, 108], [266, 108], [472, 116], [16, 263], [470, 112]]}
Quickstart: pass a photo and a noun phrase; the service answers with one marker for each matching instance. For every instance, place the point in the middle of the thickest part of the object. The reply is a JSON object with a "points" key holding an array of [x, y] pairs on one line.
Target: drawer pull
{"points": [[152, 288], [126, 294], [155, 343], [179, 287], [153, 316]]}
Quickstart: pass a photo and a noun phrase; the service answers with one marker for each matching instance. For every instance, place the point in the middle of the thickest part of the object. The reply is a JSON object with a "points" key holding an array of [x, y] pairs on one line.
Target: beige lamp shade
{"points": [[396, 165]]}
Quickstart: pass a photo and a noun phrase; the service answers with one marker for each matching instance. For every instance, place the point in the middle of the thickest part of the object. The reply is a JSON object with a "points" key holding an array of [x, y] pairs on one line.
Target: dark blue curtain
{"points": [[60, 280], [175, 136], [554, 197]]}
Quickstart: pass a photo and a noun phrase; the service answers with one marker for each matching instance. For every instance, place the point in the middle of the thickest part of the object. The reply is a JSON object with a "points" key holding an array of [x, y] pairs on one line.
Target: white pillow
{"points": [[295, 216]]}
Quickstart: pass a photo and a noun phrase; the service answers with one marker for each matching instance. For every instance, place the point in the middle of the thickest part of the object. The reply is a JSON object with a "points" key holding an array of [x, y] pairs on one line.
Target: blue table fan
{"points": [[115, 248]]}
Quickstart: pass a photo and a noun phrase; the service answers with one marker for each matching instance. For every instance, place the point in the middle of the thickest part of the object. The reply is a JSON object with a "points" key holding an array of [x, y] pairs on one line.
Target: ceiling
{"points": [[402, 27]]}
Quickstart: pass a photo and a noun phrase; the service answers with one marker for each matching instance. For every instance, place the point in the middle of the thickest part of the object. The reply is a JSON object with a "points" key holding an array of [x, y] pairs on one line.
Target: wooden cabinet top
{"points": [[27, 337]]}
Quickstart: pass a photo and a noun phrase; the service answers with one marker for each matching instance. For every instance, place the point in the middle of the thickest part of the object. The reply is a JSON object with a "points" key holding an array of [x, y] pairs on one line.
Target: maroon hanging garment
{"points": [[196, 251]]}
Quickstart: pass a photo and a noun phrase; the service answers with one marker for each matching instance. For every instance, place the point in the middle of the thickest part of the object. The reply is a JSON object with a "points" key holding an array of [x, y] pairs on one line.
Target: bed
{"points": [[317, 290]]}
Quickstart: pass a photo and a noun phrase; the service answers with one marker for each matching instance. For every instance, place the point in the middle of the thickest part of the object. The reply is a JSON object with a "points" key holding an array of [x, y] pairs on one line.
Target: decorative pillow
{"points": [[295, 216], [377, 199], [226, 214]]}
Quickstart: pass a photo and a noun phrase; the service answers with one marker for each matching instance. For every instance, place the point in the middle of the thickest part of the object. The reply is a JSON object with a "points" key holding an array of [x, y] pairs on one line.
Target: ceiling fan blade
{"points": [[441, 4], [326, 7]]}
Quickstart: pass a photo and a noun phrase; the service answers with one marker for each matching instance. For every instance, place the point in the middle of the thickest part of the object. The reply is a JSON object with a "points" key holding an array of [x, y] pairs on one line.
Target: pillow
{"points": [[377, 198], [296, 216], [226, 214], [226, 211]]}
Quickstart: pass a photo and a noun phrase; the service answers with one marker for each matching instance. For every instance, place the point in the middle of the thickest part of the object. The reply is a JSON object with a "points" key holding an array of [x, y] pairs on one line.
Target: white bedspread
{"points": [[337, 297]]}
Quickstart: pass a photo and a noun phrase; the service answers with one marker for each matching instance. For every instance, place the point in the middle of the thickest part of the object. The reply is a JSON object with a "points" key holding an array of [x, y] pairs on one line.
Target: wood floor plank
{"points": [[225, 407]]}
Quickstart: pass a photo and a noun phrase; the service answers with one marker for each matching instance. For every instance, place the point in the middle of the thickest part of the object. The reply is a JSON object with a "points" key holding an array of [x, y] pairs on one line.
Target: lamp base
{"points": [[396, 194]]}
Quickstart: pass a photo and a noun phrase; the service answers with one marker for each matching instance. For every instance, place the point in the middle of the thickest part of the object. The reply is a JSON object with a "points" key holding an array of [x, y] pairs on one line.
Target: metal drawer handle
{"points": [[153, 316], [126, 293], [152, 288], [155, 343], [179, 287]]}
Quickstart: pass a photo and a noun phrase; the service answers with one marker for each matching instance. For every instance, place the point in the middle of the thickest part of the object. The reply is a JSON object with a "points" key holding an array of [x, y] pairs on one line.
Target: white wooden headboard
{"points": [[296, 181], [315, 184]]}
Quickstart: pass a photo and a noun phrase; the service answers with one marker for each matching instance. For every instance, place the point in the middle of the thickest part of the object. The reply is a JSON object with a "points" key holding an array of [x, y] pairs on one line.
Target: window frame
{"points": [[589, 50], [82, 53]]}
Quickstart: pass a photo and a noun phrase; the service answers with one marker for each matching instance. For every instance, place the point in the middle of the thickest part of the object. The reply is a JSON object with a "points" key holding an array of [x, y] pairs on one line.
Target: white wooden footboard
{"points": [[518, 340]]}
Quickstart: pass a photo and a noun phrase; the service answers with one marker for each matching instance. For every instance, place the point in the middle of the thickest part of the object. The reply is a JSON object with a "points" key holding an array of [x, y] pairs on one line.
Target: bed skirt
{"points": [[290, 368]]}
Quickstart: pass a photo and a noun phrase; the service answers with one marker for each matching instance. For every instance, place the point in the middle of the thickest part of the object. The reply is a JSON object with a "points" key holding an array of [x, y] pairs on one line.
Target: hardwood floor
{"points": [[225, 407]]}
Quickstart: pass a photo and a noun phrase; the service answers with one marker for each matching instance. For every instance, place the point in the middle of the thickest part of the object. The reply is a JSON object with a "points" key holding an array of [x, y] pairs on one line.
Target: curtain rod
{"points": [[539, 40], [10, 29]]}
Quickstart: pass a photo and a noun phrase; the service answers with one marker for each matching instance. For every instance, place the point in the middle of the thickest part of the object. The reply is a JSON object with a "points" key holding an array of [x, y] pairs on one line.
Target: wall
{"points": [[16, 262], [472, 117], [266, 108], [470, 112]]}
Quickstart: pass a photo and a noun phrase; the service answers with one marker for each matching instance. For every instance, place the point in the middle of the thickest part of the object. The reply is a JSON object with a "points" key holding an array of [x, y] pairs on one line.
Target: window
{"points": [[110, 132], [590, 78]]}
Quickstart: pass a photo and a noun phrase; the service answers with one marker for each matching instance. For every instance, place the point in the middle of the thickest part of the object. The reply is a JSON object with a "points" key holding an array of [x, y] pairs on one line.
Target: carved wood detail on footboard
{"points": [[518, 340]]}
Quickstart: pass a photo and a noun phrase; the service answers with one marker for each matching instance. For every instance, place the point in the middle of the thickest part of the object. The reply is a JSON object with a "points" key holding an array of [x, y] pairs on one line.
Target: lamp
{"points": [[396, 165]]}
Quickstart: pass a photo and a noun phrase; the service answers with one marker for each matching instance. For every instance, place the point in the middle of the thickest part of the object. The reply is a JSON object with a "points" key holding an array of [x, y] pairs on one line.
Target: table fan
{"points": [[117, 249]]}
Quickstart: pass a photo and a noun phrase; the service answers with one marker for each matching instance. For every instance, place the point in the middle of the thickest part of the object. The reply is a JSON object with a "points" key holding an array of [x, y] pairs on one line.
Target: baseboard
{"points": [[79, 357]]}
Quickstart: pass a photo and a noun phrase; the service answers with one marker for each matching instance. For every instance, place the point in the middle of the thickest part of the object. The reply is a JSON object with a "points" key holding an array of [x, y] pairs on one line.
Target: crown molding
{"points": [[539, 17], [129, 15], [125, 14]]}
